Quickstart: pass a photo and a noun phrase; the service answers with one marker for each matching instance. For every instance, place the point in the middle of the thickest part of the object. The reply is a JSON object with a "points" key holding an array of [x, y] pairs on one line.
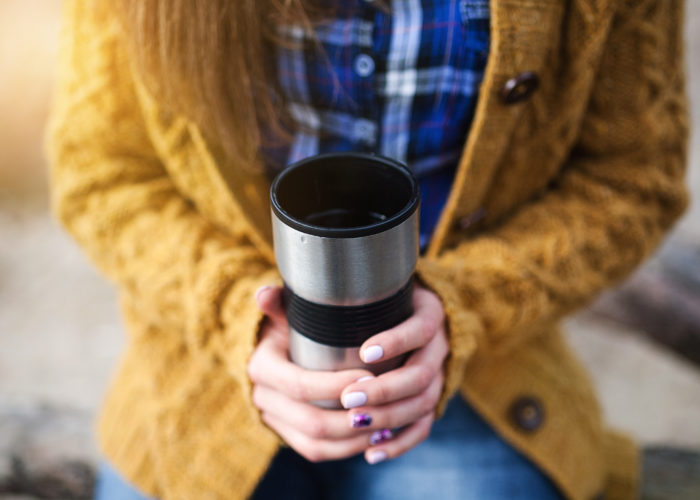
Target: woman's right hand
{"points": [[283, 392]]}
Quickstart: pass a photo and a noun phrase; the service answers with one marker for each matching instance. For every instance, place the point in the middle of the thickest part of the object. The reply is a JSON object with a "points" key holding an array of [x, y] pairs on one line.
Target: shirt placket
{"points": [[364, 68]]}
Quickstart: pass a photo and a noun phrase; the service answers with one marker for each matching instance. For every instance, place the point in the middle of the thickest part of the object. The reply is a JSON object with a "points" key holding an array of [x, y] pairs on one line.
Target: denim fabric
{"points": [[111, 486], [462, 459]]}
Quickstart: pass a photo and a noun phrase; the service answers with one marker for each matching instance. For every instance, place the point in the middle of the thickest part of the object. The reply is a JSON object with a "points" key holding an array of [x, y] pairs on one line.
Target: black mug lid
{"points": [[355, 182]]}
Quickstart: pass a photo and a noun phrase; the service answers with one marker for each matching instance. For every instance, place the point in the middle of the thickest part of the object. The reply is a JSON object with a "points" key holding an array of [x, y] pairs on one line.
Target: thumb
{"points": [[269, 300]]}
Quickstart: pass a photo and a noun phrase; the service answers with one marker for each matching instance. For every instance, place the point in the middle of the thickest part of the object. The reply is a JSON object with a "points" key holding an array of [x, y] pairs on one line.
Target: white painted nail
{"points": [[374, 457], [372, 353], [354, 399], [261, 290], [368, 377]]}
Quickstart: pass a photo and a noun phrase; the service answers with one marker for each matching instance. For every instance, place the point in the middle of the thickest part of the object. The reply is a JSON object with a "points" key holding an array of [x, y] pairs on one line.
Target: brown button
{"points": [[520, 87], [527, 413]]}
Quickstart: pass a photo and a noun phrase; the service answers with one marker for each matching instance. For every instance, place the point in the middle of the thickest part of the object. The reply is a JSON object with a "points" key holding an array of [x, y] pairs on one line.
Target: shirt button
{"points": [[468, 220], [527, 413], [364, 65], [364, 131], [520, 87]]}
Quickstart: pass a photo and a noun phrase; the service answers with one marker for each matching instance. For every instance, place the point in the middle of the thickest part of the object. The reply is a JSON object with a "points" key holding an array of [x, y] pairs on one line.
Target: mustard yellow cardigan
{"points": [[557, 197]]}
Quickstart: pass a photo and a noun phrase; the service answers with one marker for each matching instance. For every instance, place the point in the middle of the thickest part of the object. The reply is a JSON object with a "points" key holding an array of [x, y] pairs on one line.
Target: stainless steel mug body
{"points": [[345, 228]]}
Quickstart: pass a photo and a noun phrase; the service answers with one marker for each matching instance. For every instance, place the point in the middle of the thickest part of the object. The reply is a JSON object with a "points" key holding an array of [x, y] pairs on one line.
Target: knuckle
{"points": [[427, 328], [436, 388], [315, 428], [444, 346], [441, 315], [257, 399], [393, 420], [437, 304], [297, 387], [253, 368], [440, 381], [427, 404], [424, 431], [382, 394], [313, 455], [424, 376]]}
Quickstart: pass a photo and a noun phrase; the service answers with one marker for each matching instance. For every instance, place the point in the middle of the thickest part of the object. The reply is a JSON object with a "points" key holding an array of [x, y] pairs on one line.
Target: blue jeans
{"points": [[462, 459]]}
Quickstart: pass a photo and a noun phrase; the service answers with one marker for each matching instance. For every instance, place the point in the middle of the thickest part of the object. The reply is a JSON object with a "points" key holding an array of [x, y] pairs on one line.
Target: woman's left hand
{"points": [[407, 396]]}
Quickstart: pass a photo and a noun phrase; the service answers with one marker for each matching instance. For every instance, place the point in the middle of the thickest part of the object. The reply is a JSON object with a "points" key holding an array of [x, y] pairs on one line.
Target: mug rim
{"points": [[346, 232]]}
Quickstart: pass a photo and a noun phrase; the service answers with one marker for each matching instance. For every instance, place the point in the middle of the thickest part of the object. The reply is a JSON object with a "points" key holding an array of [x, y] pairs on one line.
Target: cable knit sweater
{"points": [[557, 196]]}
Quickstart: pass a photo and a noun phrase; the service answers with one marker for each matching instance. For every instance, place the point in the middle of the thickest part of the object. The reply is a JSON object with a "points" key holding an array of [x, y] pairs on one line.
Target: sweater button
{"points": [[527, 413], [520, 87]]}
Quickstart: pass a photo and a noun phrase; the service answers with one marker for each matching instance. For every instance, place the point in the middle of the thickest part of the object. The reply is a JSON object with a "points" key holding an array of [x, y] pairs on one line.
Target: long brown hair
{"points": [[211, 61]]}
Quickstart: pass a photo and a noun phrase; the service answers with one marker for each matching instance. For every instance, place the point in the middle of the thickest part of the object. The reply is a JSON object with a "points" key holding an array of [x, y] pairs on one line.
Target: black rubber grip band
{"points": [[347, 326]]}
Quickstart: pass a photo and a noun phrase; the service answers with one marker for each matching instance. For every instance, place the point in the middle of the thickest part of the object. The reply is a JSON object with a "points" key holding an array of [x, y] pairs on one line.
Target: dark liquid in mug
{"points": [[343, 218]]}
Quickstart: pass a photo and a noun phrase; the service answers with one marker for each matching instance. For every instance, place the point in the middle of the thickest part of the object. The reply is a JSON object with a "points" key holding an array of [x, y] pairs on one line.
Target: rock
{"points": [[661, 300], [670, 474], [46, 452]]}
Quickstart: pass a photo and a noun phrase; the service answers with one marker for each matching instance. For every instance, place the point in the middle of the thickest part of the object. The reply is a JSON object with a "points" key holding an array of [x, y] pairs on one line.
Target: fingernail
{"points": [[372, 353], [380, 436], [361, 420], [354, 399], [368, 377], [261, 290], [374, 457]]}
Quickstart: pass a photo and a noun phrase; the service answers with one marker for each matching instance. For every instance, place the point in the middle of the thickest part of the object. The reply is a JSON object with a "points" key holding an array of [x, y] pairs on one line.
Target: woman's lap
{"points": [[463, 458], [111, 486]]}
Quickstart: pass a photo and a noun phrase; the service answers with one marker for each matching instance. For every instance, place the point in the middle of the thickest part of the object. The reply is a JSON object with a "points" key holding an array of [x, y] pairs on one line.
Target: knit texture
{"points": [[555, 199]]}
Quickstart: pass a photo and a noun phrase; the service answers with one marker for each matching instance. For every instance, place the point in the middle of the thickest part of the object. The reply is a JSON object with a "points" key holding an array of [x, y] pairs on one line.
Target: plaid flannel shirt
{"points": [[402, 84]]}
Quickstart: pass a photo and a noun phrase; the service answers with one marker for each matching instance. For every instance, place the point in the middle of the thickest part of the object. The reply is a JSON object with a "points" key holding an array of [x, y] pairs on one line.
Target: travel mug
{"points": [[345, 228]]}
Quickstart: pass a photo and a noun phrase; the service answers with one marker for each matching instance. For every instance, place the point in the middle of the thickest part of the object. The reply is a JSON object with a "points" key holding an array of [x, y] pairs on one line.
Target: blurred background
{"points": [[60, 334]]}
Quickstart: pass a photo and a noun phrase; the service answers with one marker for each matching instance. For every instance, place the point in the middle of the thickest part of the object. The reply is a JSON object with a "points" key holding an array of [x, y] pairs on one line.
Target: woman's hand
{"points": [[283, 392], [407, 396], [402, 398]]}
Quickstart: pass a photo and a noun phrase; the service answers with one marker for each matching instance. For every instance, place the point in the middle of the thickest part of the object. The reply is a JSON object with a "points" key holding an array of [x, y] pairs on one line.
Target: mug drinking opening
{"points": [[344, 195]]}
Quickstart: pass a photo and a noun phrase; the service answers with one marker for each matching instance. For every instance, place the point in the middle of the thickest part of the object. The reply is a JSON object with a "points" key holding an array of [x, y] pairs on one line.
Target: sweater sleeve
{"points": [[619, 192], [110, 190]]}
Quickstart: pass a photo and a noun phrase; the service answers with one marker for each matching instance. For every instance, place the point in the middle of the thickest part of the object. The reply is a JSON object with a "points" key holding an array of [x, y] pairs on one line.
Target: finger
{"points": [[433, 354], [407, 439], [428, 317], [270, 366], [315, 450], [400, 413], [412, 378], [310, 420], [269, 299]]}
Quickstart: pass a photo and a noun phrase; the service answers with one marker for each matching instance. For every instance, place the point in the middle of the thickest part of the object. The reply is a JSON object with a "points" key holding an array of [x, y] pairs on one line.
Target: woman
{"points": [[166, 130]]}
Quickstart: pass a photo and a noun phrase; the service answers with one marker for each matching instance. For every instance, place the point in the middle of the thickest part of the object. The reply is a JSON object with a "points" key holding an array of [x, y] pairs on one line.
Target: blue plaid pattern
{"points": [[402, 84]]}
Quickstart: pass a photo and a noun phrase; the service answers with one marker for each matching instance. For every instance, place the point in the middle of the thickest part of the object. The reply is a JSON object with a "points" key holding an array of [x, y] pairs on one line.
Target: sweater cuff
{"points": [[242, 319], [463, 327], [623, 462]]}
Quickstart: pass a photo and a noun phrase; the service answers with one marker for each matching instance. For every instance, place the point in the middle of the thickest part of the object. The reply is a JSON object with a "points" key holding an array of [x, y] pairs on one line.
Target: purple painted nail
{"points": [[380, 436], [361, 420]]}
